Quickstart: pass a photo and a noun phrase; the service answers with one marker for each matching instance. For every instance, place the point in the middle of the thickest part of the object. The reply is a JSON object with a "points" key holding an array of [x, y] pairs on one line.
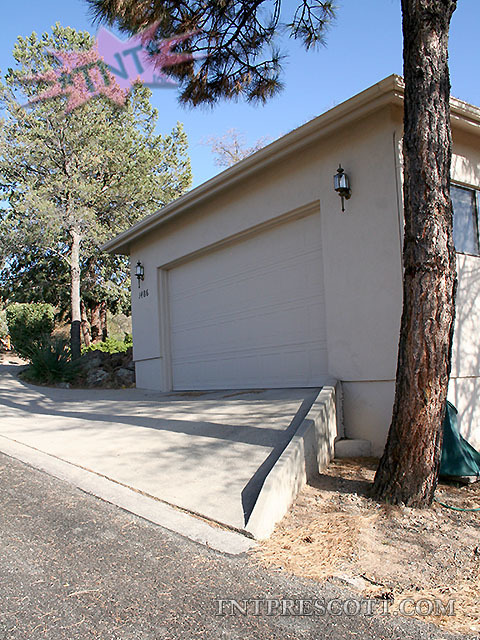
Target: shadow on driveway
{"points": [[208, 453]]}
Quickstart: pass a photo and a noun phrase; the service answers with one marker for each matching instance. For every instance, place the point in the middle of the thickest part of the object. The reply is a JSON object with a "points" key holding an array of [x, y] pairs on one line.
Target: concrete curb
{"points": [[137, 503], [308, 452]]}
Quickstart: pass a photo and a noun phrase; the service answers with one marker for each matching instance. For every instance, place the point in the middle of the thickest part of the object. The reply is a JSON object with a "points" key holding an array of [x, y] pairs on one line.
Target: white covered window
{"points": [[465, 219]]}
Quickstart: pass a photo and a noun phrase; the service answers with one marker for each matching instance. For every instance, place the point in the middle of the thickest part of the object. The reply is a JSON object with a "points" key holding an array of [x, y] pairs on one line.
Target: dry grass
{"points": [[334, 531]]}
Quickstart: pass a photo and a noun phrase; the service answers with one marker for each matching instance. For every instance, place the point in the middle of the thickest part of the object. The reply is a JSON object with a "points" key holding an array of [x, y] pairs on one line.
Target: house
{"points": [[257, 279]]}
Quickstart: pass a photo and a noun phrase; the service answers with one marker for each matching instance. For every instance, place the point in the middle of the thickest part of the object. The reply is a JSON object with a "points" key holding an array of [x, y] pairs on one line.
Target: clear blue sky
{"points": [[364, 46]]}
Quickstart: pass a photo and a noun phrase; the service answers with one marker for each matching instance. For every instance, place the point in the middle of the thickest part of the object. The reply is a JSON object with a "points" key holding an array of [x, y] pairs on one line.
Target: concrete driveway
{"points": [[205, 452]]}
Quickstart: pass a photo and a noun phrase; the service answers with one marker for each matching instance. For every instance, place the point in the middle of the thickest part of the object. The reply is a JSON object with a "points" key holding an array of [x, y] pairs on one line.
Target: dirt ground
{"points": [[9, 357], [335, 532]]}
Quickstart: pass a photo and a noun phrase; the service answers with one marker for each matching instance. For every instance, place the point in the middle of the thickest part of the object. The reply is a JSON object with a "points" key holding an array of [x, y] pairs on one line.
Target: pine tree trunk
{"points": [[98, 321], [103, 319], [408, 470], [75, 294], [86, 333], [95, 322]]}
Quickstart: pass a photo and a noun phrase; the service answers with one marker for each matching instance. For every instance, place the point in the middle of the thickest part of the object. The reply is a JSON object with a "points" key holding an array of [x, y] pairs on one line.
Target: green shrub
{"points": [[109, 345], [29, 324], [3, 324], [50, 362]]}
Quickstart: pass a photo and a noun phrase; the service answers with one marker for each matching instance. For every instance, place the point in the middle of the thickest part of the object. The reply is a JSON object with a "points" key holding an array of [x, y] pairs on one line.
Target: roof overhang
{"points": [[389, 91]]}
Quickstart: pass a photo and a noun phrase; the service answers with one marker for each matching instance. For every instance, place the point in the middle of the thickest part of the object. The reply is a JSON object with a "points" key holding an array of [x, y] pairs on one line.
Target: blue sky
{"points": [[364, 46]]}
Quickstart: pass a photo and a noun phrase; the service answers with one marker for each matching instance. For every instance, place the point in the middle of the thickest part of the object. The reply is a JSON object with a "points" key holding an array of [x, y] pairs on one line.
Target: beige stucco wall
{"points": [[361, 263], [465, 382], [361, 248]]}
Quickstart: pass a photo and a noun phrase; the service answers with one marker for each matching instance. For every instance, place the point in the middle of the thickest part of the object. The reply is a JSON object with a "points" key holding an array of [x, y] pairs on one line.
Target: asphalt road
{"points": [[74, 567]]}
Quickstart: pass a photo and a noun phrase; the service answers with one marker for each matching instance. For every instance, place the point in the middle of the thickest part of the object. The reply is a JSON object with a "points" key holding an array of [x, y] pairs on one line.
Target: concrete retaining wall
{"points": [[309, 451]]}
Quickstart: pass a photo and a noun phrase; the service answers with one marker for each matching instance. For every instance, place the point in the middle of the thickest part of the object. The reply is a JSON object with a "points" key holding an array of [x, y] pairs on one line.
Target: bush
{"points": [[111, 345], [50, 362], [29, 324], [3, 324]]}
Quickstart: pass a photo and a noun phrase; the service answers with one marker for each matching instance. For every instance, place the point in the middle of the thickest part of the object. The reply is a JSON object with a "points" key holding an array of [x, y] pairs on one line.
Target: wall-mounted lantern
{"points": [[342, 185], [140, 272]]}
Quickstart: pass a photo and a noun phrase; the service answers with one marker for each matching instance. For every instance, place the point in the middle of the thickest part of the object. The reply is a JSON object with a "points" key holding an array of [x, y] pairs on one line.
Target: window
{"points": [[465, 219]]}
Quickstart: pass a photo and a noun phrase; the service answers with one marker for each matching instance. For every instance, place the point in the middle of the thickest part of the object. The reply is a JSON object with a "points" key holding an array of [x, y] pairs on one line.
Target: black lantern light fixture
{"points": [[342, 185], [140, 272]]}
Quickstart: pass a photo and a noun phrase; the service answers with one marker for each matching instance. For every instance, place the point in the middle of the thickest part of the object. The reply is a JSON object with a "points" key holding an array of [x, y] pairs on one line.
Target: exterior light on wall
{"points": [[342, 185], [140, 272]]}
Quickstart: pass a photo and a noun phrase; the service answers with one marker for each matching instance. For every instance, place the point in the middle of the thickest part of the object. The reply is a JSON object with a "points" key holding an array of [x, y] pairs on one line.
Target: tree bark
{"points": [[75, 294], [86, 333], [103, 319], [408, 471], [95, 322], [99, 321]]}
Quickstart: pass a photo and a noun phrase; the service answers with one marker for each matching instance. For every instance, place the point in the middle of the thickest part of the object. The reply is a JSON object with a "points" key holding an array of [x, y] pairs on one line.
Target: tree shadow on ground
{"points": [[340, 478]]}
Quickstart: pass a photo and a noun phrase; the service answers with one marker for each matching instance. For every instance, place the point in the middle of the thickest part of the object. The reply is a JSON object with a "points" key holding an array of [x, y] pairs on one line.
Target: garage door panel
{"points": [[281, 319], [251, 314], [282, 291], [248, 284], [290, 368]]}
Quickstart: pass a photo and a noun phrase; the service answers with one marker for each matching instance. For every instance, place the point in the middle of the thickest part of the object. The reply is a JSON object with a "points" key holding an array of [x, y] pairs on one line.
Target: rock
{"points": [[108, 370], [92, 360], [125, 377], [116, 360], [97, 378]]}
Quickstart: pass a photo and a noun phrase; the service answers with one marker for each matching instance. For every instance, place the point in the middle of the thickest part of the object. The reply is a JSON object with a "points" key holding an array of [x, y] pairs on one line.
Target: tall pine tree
{"points": [[74, 179]]}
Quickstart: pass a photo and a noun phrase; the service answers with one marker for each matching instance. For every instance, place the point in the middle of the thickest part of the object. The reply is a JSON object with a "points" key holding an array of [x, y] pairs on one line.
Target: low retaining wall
{"points": [[308, 452]]}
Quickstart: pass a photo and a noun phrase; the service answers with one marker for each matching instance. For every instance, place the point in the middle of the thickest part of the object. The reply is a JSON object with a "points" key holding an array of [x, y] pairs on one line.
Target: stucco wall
{"points": [[361, 262], [464, 391], [361, 248], [464, 381]]}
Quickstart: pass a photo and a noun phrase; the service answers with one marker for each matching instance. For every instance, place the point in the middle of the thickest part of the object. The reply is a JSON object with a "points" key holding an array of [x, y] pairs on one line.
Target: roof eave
{"points": [[387, 91]]}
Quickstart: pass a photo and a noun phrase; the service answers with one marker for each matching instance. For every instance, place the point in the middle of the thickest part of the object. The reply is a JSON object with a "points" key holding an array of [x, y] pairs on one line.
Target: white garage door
{"points": [[251, 315]]}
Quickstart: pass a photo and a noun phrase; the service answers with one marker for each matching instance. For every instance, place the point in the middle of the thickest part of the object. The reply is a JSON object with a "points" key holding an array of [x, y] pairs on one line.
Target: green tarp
{"points": [[459, 458]]}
